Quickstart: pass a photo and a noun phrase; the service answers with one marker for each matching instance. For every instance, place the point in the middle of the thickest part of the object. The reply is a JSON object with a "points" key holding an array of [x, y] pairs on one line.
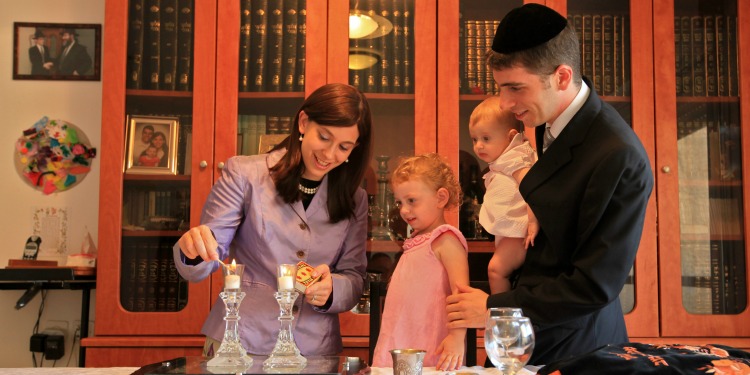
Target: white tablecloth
{"points": [[475, 370], [69, 371]]}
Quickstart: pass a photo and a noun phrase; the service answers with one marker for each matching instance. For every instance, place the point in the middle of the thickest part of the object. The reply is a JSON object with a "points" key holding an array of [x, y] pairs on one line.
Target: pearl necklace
{"points": [[307, 190]]}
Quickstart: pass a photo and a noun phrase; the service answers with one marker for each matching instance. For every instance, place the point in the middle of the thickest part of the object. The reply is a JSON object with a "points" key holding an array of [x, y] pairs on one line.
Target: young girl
{"points": [[498, 140], [433, 262]]}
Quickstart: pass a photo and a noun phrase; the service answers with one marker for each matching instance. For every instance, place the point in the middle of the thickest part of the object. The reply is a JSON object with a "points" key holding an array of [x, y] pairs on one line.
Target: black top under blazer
{"points": [[589, 192]]}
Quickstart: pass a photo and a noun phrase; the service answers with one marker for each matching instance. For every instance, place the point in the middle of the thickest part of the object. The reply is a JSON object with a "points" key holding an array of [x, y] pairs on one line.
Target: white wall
{"points": [[22, 103]]}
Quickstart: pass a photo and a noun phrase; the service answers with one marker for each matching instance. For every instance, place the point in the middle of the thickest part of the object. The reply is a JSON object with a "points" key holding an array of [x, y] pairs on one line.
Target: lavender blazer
{"points": [[247, 216]]}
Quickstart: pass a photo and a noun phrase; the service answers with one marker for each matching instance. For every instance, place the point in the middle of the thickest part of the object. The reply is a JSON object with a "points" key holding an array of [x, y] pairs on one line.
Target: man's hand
{"points": [[467, 308]]}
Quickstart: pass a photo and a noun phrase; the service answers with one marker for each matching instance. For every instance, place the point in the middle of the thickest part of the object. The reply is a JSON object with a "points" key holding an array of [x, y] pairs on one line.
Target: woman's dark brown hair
{"points": [[339, 105]]}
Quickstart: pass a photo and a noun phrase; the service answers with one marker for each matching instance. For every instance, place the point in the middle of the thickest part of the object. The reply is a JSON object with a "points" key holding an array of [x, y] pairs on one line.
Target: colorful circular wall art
{"points": [[53, 155]]}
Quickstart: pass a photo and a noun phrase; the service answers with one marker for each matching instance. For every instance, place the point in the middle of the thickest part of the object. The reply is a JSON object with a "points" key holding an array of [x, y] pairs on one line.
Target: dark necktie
{"points": [[548, 139]]}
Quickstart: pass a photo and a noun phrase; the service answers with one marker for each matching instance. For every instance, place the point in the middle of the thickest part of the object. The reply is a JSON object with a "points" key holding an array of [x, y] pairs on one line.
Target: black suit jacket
{"points": [[37, 60], [77, 60], [589, 192]]}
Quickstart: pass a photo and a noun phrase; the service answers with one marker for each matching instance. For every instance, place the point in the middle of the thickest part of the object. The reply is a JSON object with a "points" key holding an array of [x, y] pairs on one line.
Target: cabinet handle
{"points": [[203, 164], [221, 165], [666, 169]]}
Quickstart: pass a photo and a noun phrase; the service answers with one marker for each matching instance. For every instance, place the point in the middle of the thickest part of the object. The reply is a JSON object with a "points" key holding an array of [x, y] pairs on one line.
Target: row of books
{"points": [[706, 55], [149, 279], [604, 47], [476, 39], [604, 41], [148, 207], [391, 53], [251, 127], [714, 277], [272, 45], [160, 45], [709, 150]]}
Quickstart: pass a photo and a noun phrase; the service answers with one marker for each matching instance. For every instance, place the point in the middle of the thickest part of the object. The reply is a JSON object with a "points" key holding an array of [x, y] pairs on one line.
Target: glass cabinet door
{"points": [[156, 79], [706, 281], [477, 22], [381, 48], [262, 55], [616, 61]]}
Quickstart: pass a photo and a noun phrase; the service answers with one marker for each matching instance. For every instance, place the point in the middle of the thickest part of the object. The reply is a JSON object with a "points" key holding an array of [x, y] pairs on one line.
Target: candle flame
{"points": [[233, 267]]}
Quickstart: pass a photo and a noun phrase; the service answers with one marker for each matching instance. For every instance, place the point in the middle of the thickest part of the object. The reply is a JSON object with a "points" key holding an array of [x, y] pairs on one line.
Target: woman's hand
{"points": [[317, 293], [199, 242]]}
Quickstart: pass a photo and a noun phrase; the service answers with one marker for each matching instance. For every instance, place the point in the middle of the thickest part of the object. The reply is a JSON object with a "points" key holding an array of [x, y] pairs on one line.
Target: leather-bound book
{"points": [[275, 52], [289, 45], [135, 45], [258, 40], [407, 52], [152, 15], [246, 14], [168, 65], [397, 43], [185, 20], [299, 84]]}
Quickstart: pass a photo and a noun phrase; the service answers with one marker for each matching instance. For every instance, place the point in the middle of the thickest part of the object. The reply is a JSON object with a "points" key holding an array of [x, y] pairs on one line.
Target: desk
{"points": [[54, 278]]}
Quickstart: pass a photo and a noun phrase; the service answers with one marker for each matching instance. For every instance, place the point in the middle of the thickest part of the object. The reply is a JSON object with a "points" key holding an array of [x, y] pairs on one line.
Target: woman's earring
{"points": [[346, 161], [301, 136]]}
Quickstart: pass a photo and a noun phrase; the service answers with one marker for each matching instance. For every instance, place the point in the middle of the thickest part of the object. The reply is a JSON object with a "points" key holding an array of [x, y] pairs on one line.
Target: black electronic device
{"points": [[31, 249], [28, 295]]}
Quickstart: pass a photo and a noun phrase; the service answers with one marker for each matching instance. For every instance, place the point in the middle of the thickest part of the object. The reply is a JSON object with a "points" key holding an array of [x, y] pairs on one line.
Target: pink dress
{"points": [[415, 309]]}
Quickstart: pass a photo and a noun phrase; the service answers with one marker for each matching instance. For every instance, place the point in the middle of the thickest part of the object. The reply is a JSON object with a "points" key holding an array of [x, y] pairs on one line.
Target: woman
{"points": [[301, 201], [159, 140]]}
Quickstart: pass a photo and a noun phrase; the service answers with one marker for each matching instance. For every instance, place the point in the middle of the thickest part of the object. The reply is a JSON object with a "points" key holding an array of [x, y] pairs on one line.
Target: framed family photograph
{"points": [[57, 51], [151, 145]]}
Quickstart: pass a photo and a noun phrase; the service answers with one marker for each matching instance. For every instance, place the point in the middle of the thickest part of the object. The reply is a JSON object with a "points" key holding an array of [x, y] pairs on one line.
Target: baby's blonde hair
{"points": [[490, 110], [433, 171]]}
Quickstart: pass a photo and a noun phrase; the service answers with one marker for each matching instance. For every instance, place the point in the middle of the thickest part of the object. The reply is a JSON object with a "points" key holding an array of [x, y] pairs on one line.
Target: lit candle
{"points": [[232, 282], [232, 276], [286, 283], [286, 274]]}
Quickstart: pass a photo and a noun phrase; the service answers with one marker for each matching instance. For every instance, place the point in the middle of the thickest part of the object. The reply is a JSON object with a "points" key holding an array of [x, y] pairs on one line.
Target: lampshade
{"points": [[367, 26], [361, 25], [362, 58]]}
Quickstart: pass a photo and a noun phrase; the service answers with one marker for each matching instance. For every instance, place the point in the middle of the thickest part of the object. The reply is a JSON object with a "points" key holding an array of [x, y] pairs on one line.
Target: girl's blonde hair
{"points": [[433, 171]]}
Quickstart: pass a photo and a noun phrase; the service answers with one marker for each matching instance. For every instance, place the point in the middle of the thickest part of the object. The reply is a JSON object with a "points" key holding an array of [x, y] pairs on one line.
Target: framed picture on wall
{"points": [[151, 145], [57, 51]]}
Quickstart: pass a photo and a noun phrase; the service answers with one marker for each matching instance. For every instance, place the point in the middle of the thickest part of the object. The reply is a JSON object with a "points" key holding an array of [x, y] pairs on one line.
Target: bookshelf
{"points": [[426, 112], [647, 80], [698, 121]]}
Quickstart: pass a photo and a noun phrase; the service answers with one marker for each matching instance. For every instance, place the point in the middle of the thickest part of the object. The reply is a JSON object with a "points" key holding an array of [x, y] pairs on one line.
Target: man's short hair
{"points": [[543, 51]]}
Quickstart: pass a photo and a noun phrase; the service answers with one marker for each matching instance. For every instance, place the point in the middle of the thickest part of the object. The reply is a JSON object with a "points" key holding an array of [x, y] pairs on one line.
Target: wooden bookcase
{"points": [[432, 117]]}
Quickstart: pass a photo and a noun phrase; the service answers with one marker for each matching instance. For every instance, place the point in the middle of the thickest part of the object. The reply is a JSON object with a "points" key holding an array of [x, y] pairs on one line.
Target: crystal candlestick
{"points": [[285, 355], [382, 230], [231, 355]]}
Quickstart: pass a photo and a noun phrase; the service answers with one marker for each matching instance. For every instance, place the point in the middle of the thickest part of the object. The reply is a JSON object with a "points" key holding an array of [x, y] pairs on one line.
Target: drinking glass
{"points": [[509, 342]]}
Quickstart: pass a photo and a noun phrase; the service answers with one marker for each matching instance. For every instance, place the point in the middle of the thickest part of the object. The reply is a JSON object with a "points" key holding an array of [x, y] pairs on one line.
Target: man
{"points": [[141, 145], [41, 63], [589, 191], [74, 59]]}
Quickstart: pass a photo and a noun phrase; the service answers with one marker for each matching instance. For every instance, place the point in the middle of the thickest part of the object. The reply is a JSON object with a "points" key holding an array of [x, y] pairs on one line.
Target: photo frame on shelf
{"points": [[151, 145], [57, 51]]}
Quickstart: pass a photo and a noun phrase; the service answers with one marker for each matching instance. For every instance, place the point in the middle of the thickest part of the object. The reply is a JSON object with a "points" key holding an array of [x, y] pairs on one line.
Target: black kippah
{"points": [[526, 27]]}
